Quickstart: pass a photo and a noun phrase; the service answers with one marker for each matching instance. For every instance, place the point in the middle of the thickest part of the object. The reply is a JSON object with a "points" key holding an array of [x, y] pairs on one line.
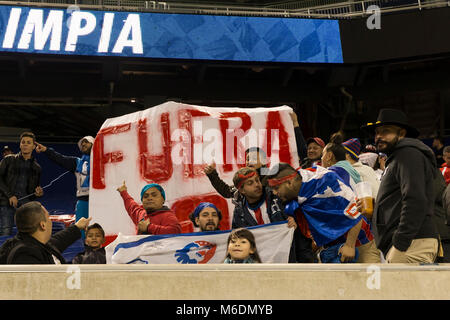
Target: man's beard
{"points": [[390, 146], [215, 228]]}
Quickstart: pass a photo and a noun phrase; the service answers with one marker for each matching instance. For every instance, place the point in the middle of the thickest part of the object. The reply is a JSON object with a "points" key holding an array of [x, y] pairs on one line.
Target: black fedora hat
{"points": [[392, 117]]}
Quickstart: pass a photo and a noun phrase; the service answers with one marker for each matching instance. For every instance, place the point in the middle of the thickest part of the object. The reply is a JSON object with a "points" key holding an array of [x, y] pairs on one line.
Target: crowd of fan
{"points": [[386, 202]]}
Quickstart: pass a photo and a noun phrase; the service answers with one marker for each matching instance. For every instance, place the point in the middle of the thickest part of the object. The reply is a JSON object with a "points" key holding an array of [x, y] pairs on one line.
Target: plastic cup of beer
{"points": [[364, 193]]}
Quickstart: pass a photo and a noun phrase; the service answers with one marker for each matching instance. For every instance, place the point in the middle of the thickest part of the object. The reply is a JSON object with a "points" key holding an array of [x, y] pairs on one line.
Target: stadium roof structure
{"points": [[322, 9]]}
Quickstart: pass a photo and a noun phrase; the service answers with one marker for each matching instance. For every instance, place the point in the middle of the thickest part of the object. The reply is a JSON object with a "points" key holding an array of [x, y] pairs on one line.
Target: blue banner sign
{"points": [[168, 36]]}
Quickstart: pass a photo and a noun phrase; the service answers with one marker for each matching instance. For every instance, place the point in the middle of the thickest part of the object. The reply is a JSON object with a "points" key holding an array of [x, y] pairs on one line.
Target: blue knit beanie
{"points": [[151, 185]]}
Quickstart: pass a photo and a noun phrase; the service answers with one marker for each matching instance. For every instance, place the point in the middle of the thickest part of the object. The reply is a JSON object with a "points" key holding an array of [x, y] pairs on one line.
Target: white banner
{"points": [[170, 144], [273, 243]]}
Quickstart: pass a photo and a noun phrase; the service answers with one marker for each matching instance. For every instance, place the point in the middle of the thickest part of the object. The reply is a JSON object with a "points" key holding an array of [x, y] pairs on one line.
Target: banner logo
{"points": [[196, 252]]}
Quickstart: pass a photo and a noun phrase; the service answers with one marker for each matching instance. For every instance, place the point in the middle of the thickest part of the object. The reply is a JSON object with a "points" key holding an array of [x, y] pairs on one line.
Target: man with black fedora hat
{"points": [[402, 219]]}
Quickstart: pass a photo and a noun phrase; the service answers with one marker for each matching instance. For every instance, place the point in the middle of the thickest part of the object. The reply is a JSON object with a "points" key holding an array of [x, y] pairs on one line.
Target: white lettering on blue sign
{"points": [[81, 23], [132, 26], [11, 29], [75, 29], [105, 37], [34, 24]]}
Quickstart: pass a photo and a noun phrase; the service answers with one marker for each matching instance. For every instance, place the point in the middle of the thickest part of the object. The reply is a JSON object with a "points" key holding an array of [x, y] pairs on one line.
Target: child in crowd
{"points": [[152, 217], [241, 247], [94, 253]]}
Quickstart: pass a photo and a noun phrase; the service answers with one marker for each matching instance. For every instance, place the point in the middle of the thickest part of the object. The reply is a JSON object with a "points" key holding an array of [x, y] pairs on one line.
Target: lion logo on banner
{"points": [[196, 252]]}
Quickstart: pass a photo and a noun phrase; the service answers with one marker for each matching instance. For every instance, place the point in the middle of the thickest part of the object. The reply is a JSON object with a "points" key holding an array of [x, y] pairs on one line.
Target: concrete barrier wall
{"points": [[225, 282]]}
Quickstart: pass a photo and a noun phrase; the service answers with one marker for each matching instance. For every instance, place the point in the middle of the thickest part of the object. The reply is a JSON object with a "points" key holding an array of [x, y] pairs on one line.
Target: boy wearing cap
{"points": [[152, 217], [80, 167]]}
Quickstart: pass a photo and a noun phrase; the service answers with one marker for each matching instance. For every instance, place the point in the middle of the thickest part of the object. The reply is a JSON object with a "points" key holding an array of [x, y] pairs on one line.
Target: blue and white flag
{"points": [[327, 203], [273, 243]]}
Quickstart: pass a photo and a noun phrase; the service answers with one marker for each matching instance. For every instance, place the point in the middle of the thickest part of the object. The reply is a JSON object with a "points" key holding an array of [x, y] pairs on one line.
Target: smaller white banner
{"points": [[273, 243]]}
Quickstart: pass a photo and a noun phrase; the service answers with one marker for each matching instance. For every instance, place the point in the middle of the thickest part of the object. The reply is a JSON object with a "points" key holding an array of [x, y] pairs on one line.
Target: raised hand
{"points": [[83, 223], [13, 201], [39, 192], [123, 187], [294, 119], [210, 168], [40, 147]]}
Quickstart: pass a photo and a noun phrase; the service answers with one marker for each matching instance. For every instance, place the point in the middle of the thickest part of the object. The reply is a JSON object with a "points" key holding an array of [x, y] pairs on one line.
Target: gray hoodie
{"points": [[404, 205]]}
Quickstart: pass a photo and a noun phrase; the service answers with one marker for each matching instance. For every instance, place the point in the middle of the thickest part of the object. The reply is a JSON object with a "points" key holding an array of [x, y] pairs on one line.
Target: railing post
{"points": [[420, 4]]}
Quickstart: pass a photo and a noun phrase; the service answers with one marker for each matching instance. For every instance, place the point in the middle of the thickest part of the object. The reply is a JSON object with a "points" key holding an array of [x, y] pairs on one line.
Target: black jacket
{"points": [[446, 205], [90, 256], [440, 214], [242, 218], [405, 202], [8, 177], [24, 249], [224, 189]]}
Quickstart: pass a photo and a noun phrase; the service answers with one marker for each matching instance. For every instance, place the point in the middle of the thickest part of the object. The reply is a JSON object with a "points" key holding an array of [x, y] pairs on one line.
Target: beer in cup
{"points": [[363, 191]]}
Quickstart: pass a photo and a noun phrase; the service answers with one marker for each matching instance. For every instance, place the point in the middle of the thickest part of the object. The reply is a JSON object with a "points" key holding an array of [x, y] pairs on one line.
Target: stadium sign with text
{"points": [[168, 36]]}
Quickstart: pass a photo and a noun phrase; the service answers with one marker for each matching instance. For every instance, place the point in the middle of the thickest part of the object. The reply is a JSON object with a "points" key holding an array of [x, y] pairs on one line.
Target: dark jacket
{"points": [[242, 218], [9, 174], [302, 148], [405, 202], [24, 249], [308, 163], [446, 205], [440, 214], [90, 256], [224, 189]]}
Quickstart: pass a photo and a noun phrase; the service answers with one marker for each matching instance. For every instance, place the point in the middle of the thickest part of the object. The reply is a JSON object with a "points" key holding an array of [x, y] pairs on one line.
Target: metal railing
{"points": [[328, 9], [351, 9]]}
